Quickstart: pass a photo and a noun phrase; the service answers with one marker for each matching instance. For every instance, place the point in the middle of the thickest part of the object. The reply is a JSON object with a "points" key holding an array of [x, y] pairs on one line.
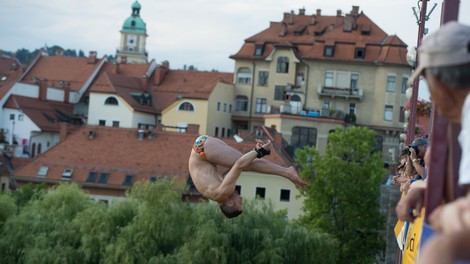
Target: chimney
{"points": [[314, 20], [159, 128], [302, 11], [318, 12], [355, 10], [291, 17], [192, 129], [339, 18], [116, 67], [144, 81], [348, 23], [283, 30], [278, 139], [67, 92], [123, 59], [63, 128], [160, 73], [43, 90], [92, 57]]}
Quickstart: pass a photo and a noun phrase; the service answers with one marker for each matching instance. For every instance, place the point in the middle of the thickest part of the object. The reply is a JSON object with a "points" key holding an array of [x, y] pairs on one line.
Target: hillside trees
{"points": [[152, 225], [342, 198]]}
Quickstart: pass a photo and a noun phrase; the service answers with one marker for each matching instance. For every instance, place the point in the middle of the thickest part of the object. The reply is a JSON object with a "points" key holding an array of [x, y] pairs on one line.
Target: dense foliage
{"points": [[152, 225], [342, 198]]}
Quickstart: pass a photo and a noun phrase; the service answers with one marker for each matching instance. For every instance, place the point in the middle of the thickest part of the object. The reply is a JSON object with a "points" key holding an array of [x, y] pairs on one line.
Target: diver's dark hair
{"points": [[230, 211]]}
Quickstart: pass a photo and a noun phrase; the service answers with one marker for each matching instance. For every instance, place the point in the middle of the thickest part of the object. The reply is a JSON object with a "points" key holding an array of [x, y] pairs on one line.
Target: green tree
{"points": [[152, 225], [28, 192], [343, 193], [8, 207], [43, 231], [259, 235]]}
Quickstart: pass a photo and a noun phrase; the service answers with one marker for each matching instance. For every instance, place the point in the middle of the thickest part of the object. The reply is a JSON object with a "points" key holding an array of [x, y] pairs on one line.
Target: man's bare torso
{"points": [[205, 175]]}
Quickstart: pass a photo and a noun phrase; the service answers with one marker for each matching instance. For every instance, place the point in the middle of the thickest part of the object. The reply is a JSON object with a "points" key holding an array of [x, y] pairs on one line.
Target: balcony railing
{"points": [[340, 92], [297, 110]]}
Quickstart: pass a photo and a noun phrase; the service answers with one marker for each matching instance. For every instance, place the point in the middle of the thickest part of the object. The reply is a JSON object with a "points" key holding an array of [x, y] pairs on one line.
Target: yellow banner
{"points": [[413, 237], [400, 231]]}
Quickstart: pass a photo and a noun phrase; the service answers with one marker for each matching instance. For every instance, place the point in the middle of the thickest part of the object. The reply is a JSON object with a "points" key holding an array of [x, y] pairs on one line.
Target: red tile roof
{"points": [[10, 71], [187, 84], [119, 152], [124, 86], [55, 69], [309, 39], [47, 115]]}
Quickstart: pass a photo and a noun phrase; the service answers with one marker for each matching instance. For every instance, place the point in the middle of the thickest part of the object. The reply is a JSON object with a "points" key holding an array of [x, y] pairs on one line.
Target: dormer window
{"points": [[258, 50], [111, 101], [186, 106], [128, 181], [360, 53], [42, 172], [329, 51]]}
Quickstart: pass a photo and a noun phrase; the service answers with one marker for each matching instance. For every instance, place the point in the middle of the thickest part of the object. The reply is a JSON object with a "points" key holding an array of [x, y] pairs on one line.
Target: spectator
{"points": [[445, 63], [417, 150], [401, 177]]}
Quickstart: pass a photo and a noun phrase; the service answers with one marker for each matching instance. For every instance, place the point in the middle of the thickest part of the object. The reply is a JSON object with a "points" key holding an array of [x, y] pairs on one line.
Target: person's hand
{"points": [[397, 179], [409, 207], [266, 146], [405, 186], [452, 217], [412, 154]]}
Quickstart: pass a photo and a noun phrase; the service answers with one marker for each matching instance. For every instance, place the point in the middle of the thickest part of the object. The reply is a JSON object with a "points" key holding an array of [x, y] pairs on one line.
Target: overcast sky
{"points": [[203, 33]]}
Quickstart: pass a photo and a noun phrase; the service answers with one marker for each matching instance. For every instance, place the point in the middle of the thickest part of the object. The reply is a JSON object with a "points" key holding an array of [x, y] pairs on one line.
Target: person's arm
{"points": [[415, 162], [409, 167], [446, 249], [227, 186], [412, 202], [452, 217]]}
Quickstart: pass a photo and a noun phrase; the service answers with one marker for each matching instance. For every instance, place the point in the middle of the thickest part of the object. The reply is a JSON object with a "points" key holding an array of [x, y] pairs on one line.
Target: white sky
{"points": [[203, 33]]}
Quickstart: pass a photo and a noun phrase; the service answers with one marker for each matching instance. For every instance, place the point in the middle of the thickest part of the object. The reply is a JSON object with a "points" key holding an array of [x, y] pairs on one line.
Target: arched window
{"points": [[186, 106], [241, 103], [282, 65], [244, 76], [295, 98], [303, 136], [111, 101]]}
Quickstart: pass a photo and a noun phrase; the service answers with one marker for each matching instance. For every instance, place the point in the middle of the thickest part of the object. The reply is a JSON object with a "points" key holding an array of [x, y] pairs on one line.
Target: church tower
{"points": [[133, 38]]}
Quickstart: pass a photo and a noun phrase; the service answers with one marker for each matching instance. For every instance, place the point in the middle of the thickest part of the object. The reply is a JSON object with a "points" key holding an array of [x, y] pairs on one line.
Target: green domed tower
{"points": [[133, 38]]}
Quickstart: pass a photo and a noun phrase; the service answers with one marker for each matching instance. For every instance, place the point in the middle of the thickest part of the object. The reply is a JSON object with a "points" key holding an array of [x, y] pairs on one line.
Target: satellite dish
{"points": [[238, 139]]}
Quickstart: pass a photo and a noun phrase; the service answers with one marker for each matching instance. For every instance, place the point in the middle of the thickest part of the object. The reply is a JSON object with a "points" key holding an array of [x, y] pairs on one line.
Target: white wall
{"points": [[273, 185], [144, 118], [55, 94], [97, 110], [74, 97], [123, 112], [106, 198], [23, 89], [46, 139], [20, 129]]}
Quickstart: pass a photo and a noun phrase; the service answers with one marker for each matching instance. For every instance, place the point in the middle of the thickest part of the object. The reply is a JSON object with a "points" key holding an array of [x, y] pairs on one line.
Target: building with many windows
{"points": [[308, 74]]}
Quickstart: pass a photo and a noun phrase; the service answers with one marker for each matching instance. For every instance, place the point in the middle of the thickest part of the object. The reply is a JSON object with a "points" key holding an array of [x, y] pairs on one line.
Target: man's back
{"points": [[204, 174]]}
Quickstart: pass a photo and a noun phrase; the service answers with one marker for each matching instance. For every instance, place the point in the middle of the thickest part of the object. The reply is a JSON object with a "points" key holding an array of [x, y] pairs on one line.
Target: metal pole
{"points": [[443, 142], [414, 98]]}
